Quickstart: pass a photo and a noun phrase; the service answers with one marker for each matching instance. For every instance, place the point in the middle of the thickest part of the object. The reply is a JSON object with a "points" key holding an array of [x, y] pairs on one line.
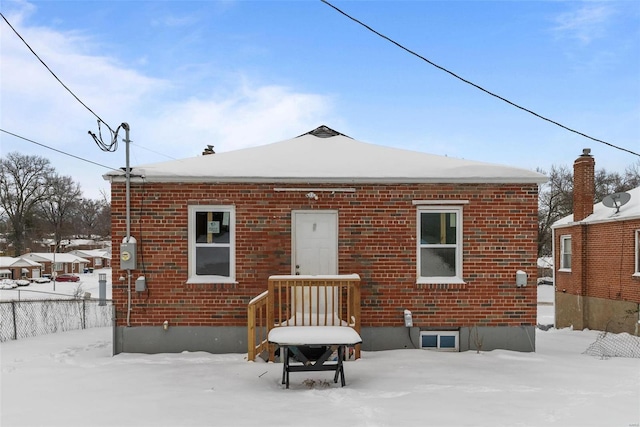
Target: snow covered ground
{"points": [[89, 282], [71, 379]]}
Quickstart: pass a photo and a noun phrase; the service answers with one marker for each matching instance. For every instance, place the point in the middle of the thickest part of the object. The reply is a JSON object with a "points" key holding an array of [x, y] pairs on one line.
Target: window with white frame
{"points": [[637, 252], [440, 340], [565, 252], [211, 244], [439, 244]]}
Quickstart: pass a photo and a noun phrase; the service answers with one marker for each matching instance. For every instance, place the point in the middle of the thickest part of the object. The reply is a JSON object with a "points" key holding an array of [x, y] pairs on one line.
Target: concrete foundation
{"points": [[521, 338], [155, 339], [176, 339], [599, 314]]}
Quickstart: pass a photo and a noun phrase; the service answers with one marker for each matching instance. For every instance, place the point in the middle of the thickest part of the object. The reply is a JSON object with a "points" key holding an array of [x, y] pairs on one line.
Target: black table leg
{"points": [[319, 364], [340, 365]]}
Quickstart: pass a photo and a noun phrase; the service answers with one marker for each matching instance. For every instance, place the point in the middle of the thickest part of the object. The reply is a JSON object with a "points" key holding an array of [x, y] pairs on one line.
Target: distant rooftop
{"points": [[602, 213]]}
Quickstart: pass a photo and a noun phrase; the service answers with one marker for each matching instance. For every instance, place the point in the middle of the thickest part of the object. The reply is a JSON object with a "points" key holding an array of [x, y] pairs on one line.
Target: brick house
{"points": [[441, 237], [597, 259], [98, 258], [60, 263], [18, 268]]}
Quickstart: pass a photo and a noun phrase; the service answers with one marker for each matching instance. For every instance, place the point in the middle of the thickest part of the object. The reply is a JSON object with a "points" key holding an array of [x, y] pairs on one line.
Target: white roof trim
{"points": [[318, 189], [596, 221], [440, 202], [311, 180]]}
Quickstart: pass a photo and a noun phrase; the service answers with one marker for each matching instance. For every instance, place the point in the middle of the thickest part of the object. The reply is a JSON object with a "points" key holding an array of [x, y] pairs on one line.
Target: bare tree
{"points": [[555, 202], [93, 218], [608, 183], [87, 216], [556, 196], [103, 225], [632, 175], [23, 185], [59, 204]]}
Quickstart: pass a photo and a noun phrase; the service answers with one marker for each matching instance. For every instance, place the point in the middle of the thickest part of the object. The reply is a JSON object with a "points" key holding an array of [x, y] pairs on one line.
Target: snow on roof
{"points": [[7, 261], [601, 213], [92, 253], [545, 262], [327, 157], [78, 242], [49, 257]]}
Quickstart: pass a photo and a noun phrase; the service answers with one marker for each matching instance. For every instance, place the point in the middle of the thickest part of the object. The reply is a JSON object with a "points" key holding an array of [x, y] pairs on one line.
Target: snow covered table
{"points": [[312, 346]]}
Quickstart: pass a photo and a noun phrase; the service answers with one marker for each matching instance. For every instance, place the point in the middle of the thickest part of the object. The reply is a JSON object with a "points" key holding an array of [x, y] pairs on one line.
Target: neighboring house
{"points": [[597, 259], [67, 245], [439, 236], [19, 268], [98, 258], [84, 244], [545, 269], [60, 262]]}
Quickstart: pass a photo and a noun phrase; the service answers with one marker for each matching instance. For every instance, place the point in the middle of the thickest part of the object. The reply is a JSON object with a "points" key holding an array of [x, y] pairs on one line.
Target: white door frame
{"points": [[294, 217]]}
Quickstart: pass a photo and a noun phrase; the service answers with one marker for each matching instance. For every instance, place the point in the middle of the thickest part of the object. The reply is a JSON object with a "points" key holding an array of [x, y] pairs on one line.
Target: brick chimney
{"points": [[584, 187]]}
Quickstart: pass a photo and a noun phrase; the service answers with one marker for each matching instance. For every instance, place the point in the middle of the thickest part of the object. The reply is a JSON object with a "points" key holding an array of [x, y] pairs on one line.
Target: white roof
{"points": [[78, 242], [328, 158], [91, 253], [64, 258], [7, 261], [545, 262], [601, 213]]}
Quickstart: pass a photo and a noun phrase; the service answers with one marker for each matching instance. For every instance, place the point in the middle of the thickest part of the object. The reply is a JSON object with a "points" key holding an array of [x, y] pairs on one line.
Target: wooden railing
{"points": [[303, 301], [257, 325]]}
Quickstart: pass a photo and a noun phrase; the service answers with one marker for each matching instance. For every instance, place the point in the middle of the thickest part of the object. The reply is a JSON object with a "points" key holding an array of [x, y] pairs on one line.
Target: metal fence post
{"points": [[22, 319], [13, 314], [83, 322]]}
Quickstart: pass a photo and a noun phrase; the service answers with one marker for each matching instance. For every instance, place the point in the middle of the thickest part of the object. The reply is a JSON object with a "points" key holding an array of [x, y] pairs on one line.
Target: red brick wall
{"points": [[377, 240], [602, 261]]}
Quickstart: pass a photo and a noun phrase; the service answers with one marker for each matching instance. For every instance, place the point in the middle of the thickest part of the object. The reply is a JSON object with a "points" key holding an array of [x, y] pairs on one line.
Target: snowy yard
{"points": [[71, 379], [89, 282]]}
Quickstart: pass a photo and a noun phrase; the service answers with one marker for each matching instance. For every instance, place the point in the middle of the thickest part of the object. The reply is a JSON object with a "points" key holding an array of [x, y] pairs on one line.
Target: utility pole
{"points": [[128, 246]]}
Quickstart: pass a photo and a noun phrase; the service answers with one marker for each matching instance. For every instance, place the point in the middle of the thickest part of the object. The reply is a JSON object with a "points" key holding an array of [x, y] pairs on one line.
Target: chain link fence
{"points": [[614, 345], [30, 318]]}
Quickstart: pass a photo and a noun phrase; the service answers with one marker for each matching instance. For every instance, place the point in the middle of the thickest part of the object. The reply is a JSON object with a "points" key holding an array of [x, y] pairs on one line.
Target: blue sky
{"points": [[234, 74]]}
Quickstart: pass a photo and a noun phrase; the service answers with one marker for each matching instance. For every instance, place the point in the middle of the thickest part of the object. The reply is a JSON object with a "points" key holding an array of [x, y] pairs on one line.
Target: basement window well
{"points": [[440, 340]]}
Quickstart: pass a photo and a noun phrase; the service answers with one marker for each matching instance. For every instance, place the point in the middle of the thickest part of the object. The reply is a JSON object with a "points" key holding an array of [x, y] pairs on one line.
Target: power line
{"points": [[153, 151], [112, 146], [471, 83], [52, 73], [58, 151]]}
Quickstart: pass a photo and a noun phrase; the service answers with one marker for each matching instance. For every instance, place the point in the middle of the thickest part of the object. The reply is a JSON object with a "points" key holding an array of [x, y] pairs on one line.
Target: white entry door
{"points": [[315, 242]]}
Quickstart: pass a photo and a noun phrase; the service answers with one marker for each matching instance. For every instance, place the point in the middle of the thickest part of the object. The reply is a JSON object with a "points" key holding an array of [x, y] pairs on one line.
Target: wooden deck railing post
{"points": [[256, 325], [251, 332], [356, 312], [297, 301], [272, 297]]}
